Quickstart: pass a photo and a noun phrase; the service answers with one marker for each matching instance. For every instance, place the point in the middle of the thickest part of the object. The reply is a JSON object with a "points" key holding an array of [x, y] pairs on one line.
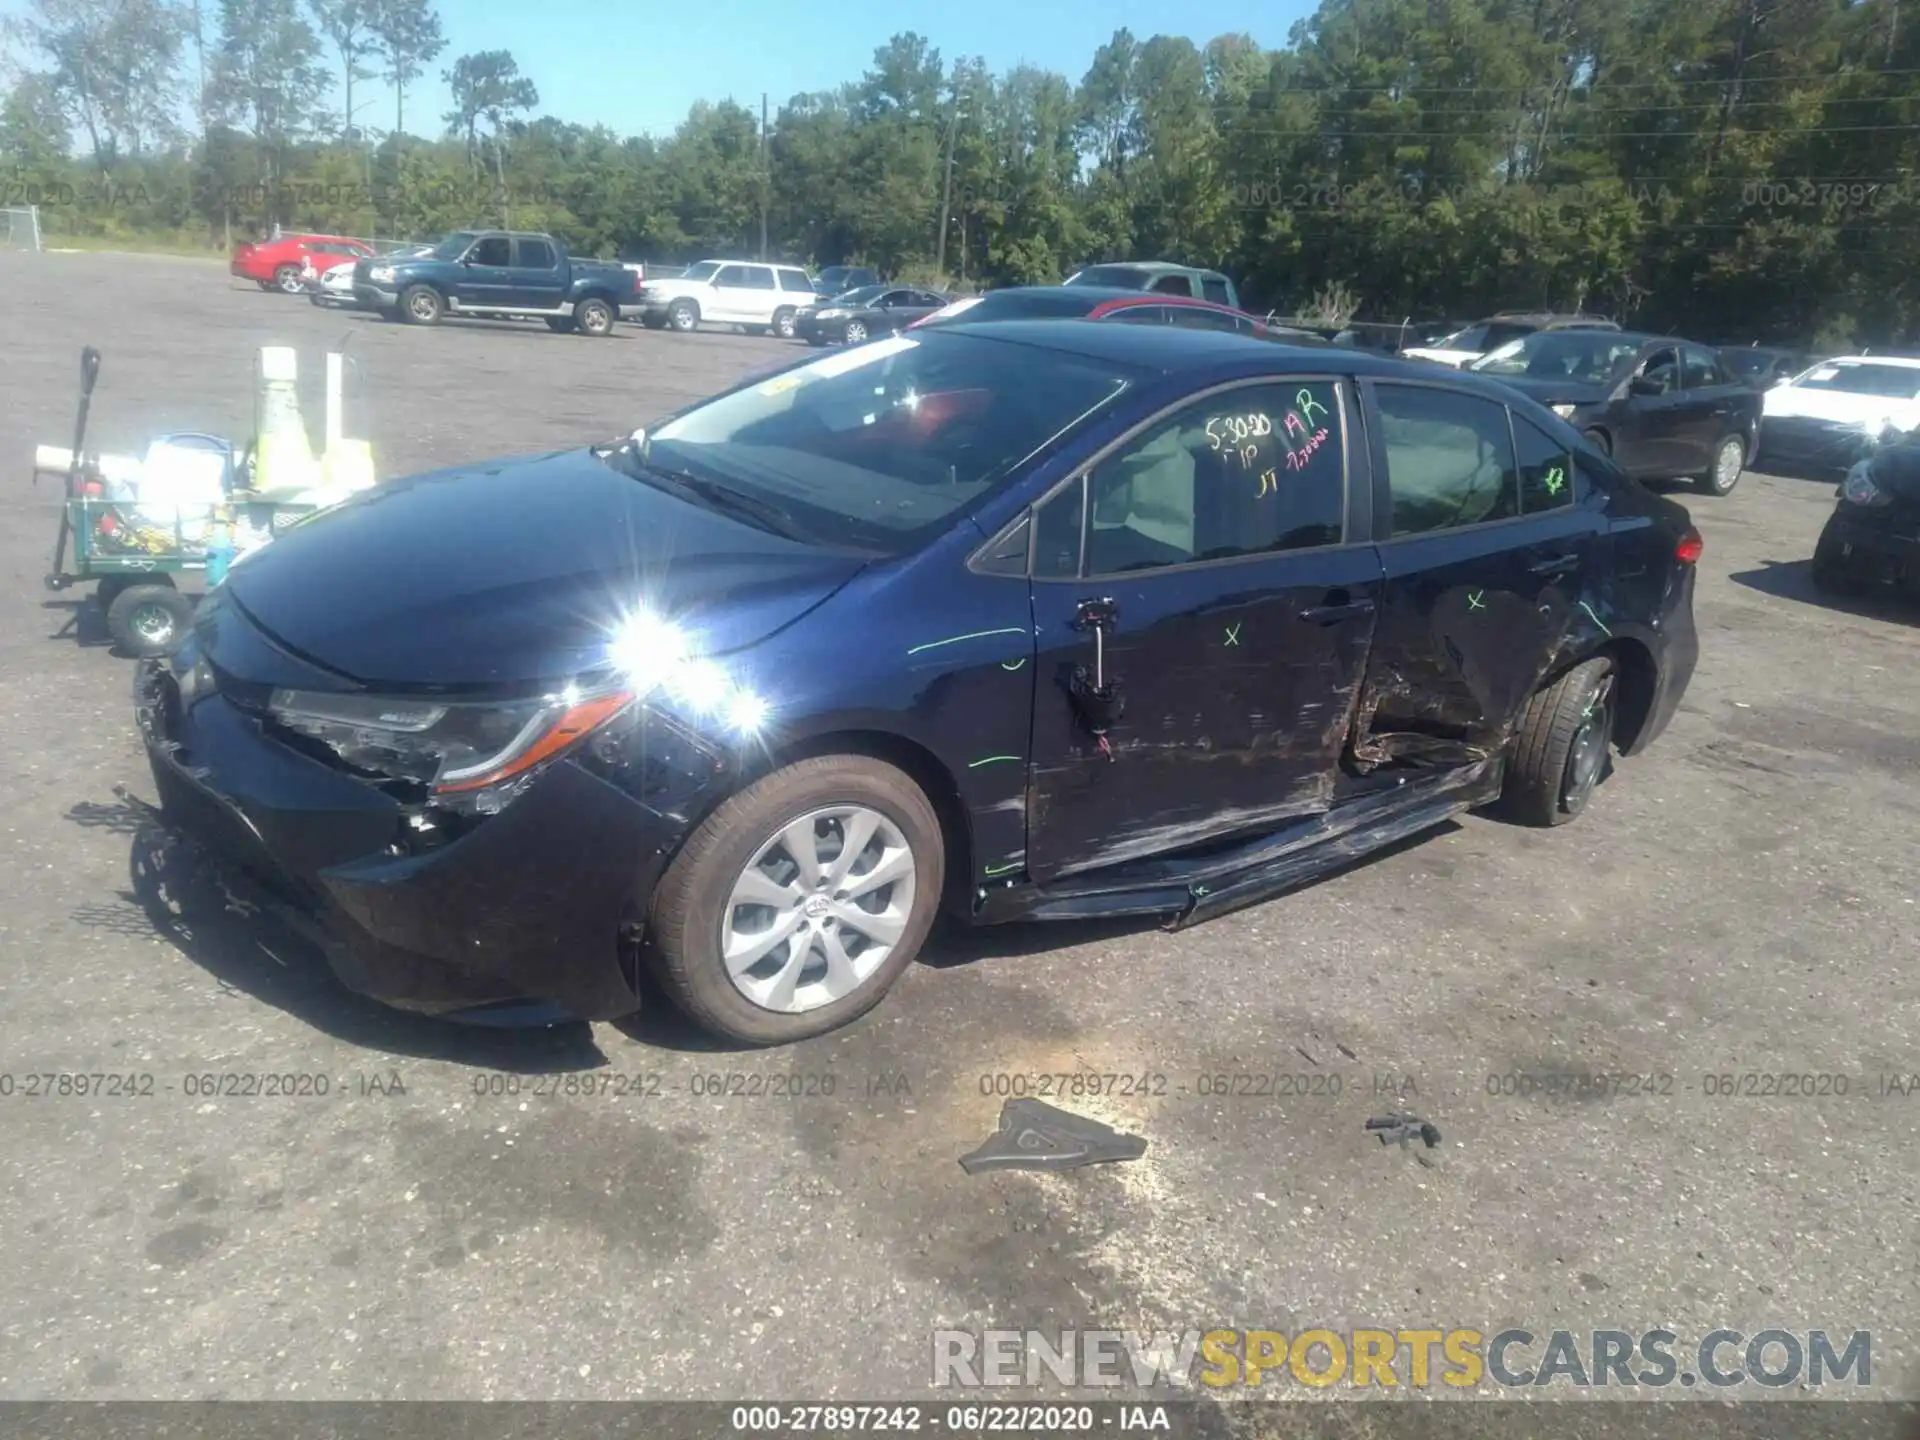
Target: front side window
{"points": [[494, 250], [1172, 285], [876, 447], [1214, 288], [1449, 459], [731, 277], [1251, 471], [1662, 372]]}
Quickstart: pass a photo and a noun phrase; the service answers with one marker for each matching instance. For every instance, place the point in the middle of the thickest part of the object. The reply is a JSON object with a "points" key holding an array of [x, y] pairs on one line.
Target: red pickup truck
{"points": [[276, 264]]}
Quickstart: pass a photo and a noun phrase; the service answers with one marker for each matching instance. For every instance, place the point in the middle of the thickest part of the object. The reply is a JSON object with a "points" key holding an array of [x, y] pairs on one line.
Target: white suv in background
{"points": [[756, 297]]}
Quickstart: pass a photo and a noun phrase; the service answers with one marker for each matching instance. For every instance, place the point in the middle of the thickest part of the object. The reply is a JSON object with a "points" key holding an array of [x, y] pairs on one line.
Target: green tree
{"points": [[113, 65]]}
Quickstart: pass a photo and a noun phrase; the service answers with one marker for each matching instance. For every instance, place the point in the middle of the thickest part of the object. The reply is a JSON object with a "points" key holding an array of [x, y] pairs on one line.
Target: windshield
{"points": [[878, 446], [1592, 357], [454, 246], [1890, 382], [865, 295], [1120, 277], [705, 270], [1748, 363]]}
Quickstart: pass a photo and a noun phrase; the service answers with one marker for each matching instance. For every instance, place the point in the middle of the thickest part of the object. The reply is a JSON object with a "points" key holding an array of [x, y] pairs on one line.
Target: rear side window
{"points": [[1215, 289], [494, 250], [536, 255], [1450, 459], [756, 277], [1546, 468], [1250, 471]]}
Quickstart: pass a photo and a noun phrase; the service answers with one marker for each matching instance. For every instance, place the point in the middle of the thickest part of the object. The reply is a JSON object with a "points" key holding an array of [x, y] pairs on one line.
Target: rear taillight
{"points": [[1690, 548], [639, 281]]}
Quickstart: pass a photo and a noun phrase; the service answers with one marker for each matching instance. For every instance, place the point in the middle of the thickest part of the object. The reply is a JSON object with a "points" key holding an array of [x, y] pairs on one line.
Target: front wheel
{"points": [[1729, 460], [1832, 568], [855, 332], [800, 901], [593, 317], [784, 322], [421, 305], [1562, 748], [684, 316]]}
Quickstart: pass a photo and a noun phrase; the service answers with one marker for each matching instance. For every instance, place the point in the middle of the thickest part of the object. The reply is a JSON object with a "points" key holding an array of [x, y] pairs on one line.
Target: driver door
{"points": [[486, 276], [1652, 442], [1212, 572]]}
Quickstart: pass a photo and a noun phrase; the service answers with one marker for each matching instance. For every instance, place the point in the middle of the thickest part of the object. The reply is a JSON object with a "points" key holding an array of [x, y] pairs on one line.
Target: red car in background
{"points": [[276, 264]]}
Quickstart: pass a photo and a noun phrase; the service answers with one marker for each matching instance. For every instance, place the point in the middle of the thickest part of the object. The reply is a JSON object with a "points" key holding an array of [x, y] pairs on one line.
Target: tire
{"points": [[684, 316], [1598, 439], [692, 913], [593, 317], [148, 619], [1831, 572], [783, 322], [560, 324], [854, 332], [1562, 748], [421, 305], [1729, 462], [286, 279]]}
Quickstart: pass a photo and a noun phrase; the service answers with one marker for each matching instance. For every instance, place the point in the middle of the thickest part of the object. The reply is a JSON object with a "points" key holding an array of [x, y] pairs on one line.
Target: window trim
{"points": [[1384, 520], [1082, 475]]}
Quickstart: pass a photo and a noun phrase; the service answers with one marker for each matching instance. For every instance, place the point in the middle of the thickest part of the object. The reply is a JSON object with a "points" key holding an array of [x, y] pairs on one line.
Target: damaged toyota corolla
{"points": [[1017, 621]]}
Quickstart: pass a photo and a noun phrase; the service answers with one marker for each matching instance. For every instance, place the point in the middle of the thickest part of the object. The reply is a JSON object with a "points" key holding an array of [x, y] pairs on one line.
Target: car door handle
{"points": [[1556, 565], [1336, 610]]}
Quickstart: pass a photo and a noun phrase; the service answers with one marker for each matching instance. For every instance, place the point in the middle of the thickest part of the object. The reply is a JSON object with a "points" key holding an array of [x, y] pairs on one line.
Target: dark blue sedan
{"points": [[1025, 620]]}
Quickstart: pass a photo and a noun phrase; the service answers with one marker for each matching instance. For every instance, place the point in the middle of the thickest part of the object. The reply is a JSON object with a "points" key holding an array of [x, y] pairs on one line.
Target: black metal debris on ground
{"points": [[1403, 1130], [1036, 1136]]}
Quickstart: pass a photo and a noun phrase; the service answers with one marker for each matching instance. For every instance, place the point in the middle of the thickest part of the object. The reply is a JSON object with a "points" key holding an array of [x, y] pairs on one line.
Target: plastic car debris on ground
{"points": [[1403, 1130], [1037, 1136]]}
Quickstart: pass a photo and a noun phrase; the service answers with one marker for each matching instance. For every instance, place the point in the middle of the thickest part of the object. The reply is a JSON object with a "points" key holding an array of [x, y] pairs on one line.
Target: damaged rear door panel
{"points": [[1205, 594], [1489, 541]]}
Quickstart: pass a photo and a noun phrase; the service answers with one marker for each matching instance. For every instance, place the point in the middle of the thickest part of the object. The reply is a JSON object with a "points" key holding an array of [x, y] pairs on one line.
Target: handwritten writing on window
{"points": [[1247, 438]]}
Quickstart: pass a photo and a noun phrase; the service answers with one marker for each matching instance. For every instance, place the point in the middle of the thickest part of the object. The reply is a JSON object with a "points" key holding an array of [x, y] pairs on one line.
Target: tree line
{"points": [[1736, 169]]}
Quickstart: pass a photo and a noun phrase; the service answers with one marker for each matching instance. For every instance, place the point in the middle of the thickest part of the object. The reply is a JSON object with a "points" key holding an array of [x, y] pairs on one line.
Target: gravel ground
{"points": [[1740, 900]]}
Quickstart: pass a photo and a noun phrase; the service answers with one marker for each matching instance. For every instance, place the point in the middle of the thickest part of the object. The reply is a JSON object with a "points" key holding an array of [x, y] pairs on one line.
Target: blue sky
{"points": [[638, 69]]}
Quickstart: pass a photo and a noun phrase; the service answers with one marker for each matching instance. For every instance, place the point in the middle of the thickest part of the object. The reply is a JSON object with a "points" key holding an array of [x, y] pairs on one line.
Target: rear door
{"points": [[1485, 541], [1216, 570], [486, 277], [1709, 400], [539, 280], [758, 295]]}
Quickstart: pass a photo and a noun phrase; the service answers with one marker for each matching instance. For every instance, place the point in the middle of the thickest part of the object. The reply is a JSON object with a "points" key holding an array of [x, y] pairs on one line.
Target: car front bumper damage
{"points": [[539, 903]]}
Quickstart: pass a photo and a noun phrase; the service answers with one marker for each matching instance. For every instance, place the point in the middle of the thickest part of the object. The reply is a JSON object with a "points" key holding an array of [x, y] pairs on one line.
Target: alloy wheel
{"points": [[818, 909], [1587, 757], [1727, 462], [422, 307], [856, 332]]}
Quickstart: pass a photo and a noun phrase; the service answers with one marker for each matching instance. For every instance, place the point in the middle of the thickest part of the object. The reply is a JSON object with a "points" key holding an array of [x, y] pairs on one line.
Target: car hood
{"points": [[516, 571], [1554, 392], [1872, 411]]}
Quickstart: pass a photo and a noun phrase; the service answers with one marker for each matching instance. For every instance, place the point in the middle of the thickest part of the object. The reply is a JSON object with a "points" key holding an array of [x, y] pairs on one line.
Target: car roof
{"points": [[1154, 267], [1904, 362]]}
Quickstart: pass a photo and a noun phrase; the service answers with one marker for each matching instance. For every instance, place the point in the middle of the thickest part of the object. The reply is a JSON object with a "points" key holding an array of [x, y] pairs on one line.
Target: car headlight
{"points": [[471, 755], [830, 314], [659, 662], [1565, 412], [380, 274], [1858, 488]]}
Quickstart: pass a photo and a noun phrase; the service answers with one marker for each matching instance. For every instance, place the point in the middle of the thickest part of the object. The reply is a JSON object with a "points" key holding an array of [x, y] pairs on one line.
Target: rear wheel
{"points": [[800, 901], [1562, 748], [1729, 460], [593, 317], [1833, 571], [421, 305], [286, 279], [684, 316], [148, 619]]}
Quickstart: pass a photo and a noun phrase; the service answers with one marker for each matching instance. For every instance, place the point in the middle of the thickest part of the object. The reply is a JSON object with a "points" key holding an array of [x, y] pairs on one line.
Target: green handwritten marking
{"points": [[1002, 869], [993, 760], [1199, 892], [1595, 618], [1556, 481], [1233, 633], [1013, 664], [1476, 600], [956, 639], [1308, 405]]}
